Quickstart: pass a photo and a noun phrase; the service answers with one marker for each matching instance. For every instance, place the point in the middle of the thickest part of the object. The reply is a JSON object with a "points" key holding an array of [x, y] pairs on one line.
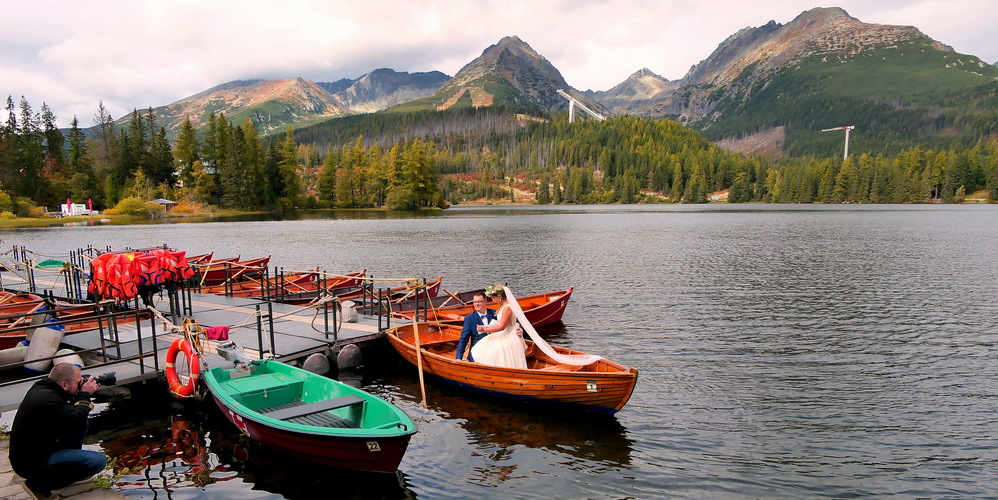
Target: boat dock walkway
{"points": [[136, 351]]}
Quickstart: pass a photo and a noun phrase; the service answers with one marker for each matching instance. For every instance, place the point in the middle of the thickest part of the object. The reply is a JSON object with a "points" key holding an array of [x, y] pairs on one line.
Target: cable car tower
{"points": [[847, 128], [573, 102]]}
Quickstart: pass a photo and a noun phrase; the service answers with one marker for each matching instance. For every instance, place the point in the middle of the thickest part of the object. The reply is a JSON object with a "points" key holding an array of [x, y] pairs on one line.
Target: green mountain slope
{"points": [[895, 96], [487, 90]]}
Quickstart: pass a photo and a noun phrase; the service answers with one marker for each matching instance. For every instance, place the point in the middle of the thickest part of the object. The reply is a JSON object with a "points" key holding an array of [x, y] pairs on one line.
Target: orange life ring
{"points": [[176, 387]]}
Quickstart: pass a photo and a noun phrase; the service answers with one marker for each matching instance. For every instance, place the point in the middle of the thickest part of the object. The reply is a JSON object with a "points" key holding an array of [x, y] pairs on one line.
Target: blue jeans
{"points": [[65, 467]]}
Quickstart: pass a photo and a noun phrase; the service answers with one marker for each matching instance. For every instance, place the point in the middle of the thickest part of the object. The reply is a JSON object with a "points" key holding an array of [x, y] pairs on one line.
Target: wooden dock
{"points": [[281, 331]]}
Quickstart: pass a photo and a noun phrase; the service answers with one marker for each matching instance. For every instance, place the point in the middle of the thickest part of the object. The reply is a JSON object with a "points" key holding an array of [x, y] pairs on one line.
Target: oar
{"points": [[455, 297], [419, 362]]}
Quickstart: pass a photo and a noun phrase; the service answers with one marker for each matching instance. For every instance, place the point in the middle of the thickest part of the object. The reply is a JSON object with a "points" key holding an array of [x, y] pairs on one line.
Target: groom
{"points": [[481, 316]]}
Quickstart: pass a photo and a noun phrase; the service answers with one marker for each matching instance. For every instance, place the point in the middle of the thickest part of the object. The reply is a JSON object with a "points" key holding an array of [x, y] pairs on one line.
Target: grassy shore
{"points": [[84, 220]]}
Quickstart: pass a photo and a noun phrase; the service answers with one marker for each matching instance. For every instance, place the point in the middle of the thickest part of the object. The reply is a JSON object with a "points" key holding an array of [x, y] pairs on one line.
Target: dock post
{"points": [[270, 323], [259, 330]]}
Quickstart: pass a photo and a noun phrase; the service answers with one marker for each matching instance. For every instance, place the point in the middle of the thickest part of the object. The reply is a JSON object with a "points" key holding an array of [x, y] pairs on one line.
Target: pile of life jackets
{"points": [[119, 275]]}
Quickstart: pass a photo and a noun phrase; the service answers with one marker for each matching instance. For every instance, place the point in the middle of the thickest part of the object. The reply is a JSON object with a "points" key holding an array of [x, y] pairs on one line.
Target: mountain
{"points": [[384, 88], [271, 104], [826, 69], [637, 95], [275, 104], [507, 73], [784, 82]]}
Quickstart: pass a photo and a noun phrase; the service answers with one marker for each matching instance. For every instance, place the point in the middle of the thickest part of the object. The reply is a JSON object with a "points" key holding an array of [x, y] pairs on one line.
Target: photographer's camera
{"points": [[103, 379]]}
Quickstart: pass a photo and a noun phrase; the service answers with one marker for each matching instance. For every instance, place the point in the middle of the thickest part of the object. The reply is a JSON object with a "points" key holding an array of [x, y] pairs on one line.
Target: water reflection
{"points": [[166, 456], [185, 450], [494, 427], [785, 351], [273, 472]]}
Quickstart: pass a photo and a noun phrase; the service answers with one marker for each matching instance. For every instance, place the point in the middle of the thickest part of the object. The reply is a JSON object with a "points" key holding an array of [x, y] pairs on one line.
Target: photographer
{"points": [[48, 430]]}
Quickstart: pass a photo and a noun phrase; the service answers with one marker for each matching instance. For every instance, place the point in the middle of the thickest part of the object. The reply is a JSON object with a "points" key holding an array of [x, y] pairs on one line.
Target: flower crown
{"points": [[491, 291]]}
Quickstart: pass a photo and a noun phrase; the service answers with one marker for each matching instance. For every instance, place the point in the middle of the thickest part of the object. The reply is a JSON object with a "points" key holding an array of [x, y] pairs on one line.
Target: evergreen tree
{"points": [[82, 181], [676, 194], [30, 156], [696, 190], [102, 146], [288, 165], [160, 164], [9, 139], [138, 141], [237, 180], [843, 179], [186, 150], [327, 178], [272, 182], [739, 192], [544, 191], [253, 160], [54, 143], [991, 170]]}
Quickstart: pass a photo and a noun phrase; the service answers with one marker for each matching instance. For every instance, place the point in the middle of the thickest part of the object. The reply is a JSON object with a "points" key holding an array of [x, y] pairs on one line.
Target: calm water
{"points": [[785, 351]]}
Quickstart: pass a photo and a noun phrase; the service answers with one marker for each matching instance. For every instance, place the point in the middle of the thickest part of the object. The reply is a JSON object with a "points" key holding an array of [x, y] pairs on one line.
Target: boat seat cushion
{"points": [[310, 408]]}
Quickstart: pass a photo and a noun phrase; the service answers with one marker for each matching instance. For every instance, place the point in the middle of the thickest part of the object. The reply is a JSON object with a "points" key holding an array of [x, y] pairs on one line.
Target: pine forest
{"points": [[438, 158]]}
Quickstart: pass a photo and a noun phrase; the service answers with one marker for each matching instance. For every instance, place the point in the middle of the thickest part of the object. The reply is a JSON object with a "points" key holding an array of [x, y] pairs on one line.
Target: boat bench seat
{"points": [[310, 408], [436, 343]]}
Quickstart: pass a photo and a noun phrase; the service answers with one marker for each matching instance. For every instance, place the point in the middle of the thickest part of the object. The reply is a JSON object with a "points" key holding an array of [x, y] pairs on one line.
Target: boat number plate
{"points": [[373, 446], [591, 386]]}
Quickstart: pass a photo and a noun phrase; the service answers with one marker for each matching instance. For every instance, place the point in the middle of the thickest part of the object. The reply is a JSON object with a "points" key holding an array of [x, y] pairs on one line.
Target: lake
{"points": [[785, 351]]}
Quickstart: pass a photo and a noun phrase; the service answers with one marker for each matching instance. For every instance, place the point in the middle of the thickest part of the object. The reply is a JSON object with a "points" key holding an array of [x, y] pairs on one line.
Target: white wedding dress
{"points": [[503, 348]]}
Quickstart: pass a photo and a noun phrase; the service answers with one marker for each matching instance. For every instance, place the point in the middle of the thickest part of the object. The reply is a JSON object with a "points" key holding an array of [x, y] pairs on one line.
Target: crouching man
{"points": [[46, 437]]}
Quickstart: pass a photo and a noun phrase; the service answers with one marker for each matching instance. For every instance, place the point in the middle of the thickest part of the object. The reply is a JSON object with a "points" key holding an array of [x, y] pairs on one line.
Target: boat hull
{"points": [[369, 435], [218, 272], [603, 387], [17, 312], [372, 454], [542, 309]]}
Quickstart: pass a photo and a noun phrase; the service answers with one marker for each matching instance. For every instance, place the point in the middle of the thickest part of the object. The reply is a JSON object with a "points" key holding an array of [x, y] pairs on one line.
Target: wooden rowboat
{"points": [[303, 293], [445, 299], [217, 273], [17, 312], [204, 258], [400, 293], [259, 286], [540, 310], [601, 387], [88, 316], [312, 417]]}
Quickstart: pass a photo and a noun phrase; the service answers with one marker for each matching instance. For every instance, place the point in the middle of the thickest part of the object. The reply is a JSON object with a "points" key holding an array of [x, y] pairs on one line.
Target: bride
{"points": [[504, 345]]}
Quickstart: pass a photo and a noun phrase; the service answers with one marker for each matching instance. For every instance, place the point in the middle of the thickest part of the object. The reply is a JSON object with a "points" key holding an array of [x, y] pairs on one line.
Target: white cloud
{"points": [[139, 54]]}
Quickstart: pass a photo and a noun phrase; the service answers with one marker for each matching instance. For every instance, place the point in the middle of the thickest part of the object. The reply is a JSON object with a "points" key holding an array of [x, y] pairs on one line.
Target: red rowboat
{"points": [[217, 273], [400, 293], [18, 311], [253, 286], [303, 293]]}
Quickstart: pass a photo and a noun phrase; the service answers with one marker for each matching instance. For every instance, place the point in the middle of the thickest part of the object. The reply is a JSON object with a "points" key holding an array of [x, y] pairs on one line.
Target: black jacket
{"points": [[47, 416]]}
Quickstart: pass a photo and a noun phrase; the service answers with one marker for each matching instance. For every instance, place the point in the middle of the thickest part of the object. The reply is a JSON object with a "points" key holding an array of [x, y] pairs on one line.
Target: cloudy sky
{"points": [[135, 54]]}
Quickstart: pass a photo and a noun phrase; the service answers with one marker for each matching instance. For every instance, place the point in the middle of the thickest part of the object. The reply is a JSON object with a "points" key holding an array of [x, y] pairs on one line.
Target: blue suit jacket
{"points": [[470, 332]]}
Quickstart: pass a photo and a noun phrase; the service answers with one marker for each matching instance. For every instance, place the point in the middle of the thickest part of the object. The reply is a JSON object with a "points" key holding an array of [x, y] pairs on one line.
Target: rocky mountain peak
{"points": [[636, 94], [754, 54], [519, 64], [384, 87]]}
